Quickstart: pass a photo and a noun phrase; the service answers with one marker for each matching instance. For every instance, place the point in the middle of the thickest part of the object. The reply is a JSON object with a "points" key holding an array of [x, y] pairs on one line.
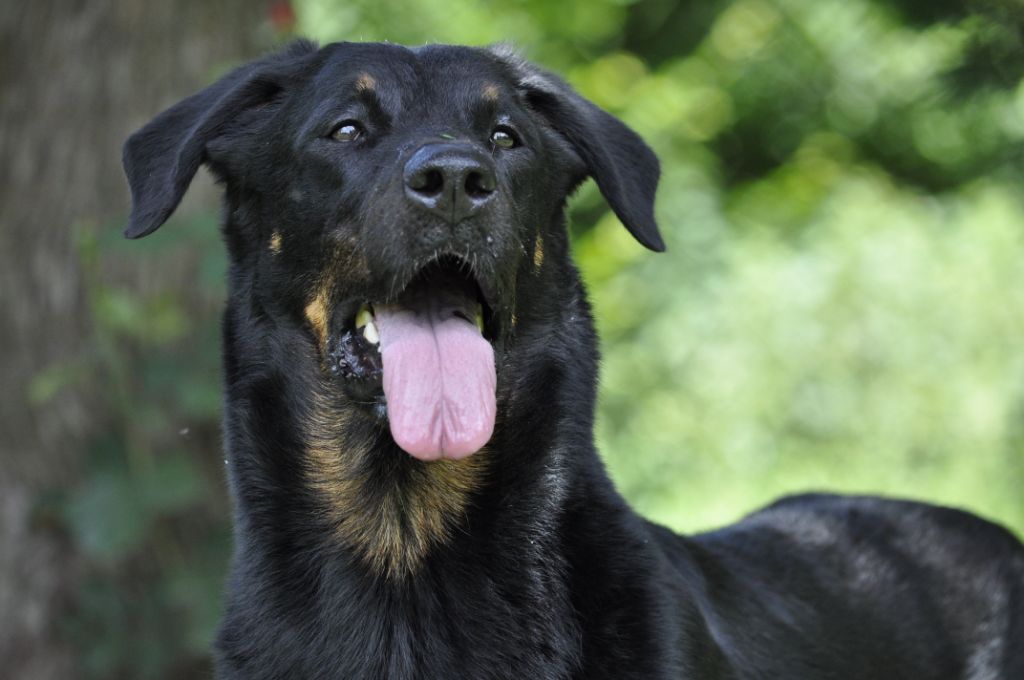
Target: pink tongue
{"points": [[439, 381]]}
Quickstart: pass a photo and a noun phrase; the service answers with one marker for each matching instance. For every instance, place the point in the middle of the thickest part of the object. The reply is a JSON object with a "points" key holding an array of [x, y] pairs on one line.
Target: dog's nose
{"points": [[451, 181]]}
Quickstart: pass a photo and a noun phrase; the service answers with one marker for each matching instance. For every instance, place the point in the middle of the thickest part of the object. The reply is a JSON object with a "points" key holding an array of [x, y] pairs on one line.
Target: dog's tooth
{"points": [[370, 332], [479, 318], [364, 317]]}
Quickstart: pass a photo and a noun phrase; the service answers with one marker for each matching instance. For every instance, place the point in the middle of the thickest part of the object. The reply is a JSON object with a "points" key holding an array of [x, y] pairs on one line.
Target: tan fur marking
{"points": [[390, 523], [538, 252], [491, 92], [275, 243], [365, 83], [344, 260], [316, 314]]}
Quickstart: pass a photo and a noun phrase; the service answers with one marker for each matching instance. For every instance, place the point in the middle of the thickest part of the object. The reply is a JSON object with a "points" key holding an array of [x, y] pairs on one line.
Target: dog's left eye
{"points": [[504, 137], [347, 131]]}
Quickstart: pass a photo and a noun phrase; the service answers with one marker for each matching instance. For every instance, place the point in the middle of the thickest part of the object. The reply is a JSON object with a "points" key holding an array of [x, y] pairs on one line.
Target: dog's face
{"points": [[391, 200]]}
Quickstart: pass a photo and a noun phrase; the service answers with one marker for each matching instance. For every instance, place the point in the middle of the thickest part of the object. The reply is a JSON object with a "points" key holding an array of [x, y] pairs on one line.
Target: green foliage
{"points": [[147, 515], [877, 353], [841, 306]]}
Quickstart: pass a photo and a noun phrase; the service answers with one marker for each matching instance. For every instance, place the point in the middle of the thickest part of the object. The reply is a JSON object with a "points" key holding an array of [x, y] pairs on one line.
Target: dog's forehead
{"points": [[398, 75]]}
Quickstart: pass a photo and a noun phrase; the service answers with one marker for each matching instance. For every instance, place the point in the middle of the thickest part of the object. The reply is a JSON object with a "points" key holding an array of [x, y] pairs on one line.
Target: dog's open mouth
{"points": [[428, 353]]}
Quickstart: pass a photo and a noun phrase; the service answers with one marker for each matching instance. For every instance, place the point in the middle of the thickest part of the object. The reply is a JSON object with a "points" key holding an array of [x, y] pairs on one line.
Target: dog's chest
{"points": [[454, 622]]}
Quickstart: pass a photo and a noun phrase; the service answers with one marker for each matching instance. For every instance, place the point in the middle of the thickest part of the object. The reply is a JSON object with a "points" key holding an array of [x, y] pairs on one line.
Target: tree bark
{"points": [[76, 77]]}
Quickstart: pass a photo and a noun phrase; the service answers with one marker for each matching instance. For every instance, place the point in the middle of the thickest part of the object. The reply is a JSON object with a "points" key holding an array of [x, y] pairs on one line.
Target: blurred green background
{"points": [[841, 306]]}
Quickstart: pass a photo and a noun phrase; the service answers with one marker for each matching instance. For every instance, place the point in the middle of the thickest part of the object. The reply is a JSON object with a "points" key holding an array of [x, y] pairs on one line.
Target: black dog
{"points": [[402, 296]]}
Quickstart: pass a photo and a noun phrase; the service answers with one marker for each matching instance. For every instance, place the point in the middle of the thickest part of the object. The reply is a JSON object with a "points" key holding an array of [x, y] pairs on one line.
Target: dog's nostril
{"points": [[428, 182], [479, 184]]}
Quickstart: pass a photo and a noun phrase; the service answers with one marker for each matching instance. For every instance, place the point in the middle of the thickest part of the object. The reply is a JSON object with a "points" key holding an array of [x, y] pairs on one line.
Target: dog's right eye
{"points": [[346, 131]]}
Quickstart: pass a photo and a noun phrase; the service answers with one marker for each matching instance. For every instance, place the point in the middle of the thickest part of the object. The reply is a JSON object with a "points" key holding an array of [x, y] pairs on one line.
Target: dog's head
{"points": [[391, 200]]}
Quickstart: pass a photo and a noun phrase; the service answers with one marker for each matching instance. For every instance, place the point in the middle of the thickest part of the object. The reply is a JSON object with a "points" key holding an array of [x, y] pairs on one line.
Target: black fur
{"points": [[545, 571]]}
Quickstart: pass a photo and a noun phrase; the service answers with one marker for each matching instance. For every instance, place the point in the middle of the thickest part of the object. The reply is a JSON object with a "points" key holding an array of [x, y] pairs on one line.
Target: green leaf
{"points": [[105, 517], [174, 483]]}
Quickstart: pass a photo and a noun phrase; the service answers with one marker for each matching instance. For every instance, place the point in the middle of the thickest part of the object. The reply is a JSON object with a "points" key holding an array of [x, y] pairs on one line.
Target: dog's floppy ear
{"points": [[161, 159], [624, 167]]}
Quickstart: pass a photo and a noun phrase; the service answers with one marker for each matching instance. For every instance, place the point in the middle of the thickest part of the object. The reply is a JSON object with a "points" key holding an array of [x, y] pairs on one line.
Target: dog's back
{"points": [[864, 587]]}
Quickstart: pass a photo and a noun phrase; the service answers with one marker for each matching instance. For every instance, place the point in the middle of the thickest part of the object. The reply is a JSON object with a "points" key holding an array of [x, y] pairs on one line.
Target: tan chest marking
{"points": [[390, 517]]}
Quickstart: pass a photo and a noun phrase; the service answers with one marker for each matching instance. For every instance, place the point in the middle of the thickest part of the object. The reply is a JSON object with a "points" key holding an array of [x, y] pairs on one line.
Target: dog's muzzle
{"points": [[427, 355]]}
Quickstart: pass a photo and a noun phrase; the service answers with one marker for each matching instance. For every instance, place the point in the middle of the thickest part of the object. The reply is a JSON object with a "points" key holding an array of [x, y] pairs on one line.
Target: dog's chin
{"points": [[423, 361]]}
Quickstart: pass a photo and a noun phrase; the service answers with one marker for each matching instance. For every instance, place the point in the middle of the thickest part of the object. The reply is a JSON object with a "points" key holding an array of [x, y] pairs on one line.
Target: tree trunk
{"points": [[76, 77]]}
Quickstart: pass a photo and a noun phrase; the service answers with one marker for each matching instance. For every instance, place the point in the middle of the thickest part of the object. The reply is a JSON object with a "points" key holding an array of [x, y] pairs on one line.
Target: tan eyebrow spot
{"points": [[365, 83], [275, 242], [538, 252], [490, 92]]}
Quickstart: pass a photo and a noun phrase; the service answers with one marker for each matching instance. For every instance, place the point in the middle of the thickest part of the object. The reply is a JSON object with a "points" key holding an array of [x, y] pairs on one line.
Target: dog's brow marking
{"points": [[275, 242], [538, 252], [490, 92], [390, 524], [365, 83]]}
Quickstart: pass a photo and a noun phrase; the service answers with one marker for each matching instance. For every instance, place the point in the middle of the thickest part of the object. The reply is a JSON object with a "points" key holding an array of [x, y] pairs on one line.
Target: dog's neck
{"points": [[316, 470], [330, 513]]}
